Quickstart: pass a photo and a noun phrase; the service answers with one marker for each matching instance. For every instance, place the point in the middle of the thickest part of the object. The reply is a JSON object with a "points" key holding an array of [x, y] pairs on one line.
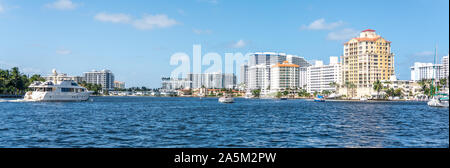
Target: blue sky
{"points": [[135, 39]]}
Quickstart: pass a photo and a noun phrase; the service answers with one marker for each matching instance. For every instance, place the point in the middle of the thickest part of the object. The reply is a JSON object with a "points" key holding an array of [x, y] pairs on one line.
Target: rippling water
{"points": [[194, 122]]}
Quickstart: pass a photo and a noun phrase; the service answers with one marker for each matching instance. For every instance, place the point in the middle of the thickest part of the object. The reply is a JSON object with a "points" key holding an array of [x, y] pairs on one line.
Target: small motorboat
{"points": [[226, 99], [319, 98], [363, 99]]}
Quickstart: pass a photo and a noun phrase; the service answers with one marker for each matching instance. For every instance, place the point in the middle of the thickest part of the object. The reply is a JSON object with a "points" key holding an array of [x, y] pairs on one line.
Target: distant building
{"points": [[103, 77], [284, 76], [244, 74], [169, 84], [266, 58], [63, 77], [212, 80], [119, 85], [425, 71], [320, 76], [258, 77], [300, 61]]}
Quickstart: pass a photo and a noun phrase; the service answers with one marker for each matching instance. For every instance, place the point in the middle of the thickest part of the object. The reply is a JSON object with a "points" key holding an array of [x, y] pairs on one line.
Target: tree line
{"points": [[13, 82]]}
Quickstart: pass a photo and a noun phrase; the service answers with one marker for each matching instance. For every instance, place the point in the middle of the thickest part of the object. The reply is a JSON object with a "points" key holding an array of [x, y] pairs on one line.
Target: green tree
{"points": [[377, 86], [256, 92]]}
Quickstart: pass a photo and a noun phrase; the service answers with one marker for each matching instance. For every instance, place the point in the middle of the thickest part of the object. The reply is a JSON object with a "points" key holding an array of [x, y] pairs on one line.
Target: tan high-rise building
{"points": [[366, 59]]}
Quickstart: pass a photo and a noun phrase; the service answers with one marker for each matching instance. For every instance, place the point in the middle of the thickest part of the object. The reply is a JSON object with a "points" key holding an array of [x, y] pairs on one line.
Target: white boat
{"points": [[226, 99], [437, 101], [363, 99], [58, 89]]}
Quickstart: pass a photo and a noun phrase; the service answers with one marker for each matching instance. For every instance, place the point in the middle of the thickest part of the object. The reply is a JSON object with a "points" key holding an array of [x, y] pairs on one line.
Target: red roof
{"points": [[368, 30]]}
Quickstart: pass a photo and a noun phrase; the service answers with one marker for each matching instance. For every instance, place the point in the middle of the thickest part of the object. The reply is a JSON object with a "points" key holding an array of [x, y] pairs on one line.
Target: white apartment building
{"points": [[320, 76], [284, 76], [445, 67], [303, 77], [103, 77], [258, 77], [425, 71], [257, 74]]}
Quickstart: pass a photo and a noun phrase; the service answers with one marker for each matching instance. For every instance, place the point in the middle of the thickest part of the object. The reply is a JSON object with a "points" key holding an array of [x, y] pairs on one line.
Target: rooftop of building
{"points": [[285, 64]]}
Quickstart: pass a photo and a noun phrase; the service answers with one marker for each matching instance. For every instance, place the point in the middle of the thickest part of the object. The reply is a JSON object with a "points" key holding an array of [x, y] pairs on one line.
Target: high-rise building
{"points": [[103, 77], [212, 80], [244, 74], [258, 77], [319, 76], [445, 67], [300, 61], [267, 58], [170, 84], [366, 59], [303, 77], [284, 76], [426, 71]]}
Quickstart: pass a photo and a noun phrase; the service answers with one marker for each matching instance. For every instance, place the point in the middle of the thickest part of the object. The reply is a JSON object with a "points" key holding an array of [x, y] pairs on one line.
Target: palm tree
{"points": [[377, 86], [335, 85], [350, 86]]}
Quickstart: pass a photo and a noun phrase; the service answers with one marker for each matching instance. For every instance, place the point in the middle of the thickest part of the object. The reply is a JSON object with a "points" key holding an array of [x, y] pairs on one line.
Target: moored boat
{"points": [[319, 98], [226, 99]]}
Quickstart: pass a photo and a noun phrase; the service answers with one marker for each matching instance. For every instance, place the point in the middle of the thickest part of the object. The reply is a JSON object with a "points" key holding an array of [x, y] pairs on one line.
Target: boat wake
{"points": [[16, 100]]}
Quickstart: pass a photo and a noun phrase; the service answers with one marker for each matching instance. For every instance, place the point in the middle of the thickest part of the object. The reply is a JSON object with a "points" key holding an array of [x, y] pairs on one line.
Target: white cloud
{"points": [[1, 8], [114, 18], [199, 31], [62, 5], [151, 21], [344, 34], [147, 22], [239, 44], [63, 52], [320, 24]]}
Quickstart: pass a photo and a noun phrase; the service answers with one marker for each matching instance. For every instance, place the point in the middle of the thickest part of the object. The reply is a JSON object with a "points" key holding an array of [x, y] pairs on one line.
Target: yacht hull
{"points": [[56, 97]]}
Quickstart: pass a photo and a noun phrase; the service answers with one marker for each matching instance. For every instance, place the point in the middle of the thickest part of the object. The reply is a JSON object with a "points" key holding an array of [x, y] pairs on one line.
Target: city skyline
{"points": [[135, 40]]}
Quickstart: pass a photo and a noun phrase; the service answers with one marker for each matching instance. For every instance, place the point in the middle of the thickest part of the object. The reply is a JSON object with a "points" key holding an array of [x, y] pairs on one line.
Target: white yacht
{"points": [[226, 99], [60, 88]]}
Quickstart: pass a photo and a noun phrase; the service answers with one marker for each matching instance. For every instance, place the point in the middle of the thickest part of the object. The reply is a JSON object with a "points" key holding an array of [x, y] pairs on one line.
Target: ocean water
{"points": [[163, 122]]}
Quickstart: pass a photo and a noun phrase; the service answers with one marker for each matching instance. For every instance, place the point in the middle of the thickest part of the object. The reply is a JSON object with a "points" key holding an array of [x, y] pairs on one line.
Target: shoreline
{"points": [[301, 98]]}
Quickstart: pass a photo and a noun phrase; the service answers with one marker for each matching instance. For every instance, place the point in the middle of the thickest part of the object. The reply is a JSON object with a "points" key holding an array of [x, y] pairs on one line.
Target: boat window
{"points": [[67, 90]]}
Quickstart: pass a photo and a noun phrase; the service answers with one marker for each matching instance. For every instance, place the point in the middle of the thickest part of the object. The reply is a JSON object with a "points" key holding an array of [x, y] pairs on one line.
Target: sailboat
{"points": [[437, 99]]}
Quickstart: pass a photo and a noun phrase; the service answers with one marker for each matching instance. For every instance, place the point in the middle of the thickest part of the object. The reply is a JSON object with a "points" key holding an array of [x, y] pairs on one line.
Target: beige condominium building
{"points": [[284, 76], [366, 59]]}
